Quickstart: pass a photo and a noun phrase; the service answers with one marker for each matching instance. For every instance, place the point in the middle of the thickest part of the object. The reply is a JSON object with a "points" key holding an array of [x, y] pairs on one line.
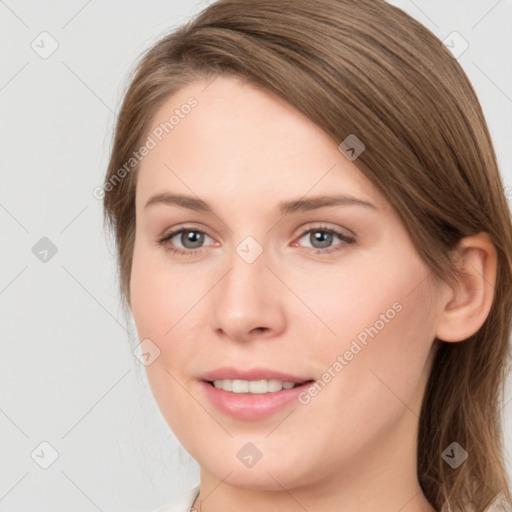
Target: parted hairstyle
{"points": [[365, 68]]}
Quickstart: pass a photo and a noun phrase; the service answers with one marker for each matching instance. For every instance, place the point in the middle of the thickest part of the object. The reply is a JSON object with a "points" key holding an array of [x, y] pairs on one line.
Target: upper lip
{"points": [[231, 373]]}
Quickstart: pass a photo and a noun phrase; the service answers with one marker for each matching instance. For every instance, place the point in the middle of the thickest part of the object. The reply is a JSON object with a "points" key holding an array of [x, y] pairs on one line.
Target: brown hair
{"points": [[369, 69]]}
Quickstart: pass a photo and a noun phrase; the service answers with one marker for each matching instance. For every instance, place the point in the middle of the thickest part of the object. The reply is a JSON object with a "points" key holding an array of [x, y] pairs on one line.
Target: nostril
{"points": [[259, 329]]}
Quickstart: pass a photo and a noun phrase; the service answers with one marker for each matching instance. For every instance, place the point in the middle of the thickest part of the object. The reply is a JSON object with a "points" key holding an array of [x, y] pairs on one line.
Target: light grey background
{"points": [[68, 376]]}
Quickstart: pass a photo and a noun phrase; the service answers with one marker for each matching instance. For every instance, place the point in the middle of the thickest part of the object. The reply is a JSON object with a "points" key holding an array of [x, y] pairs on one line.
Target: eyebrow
{"points": [[284, 208]]}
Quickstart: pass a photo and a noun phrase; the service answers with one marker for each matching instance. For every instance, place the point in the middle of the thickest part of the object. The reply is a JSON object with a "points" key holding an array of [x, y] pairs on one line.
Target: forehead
{"points": [[239, 141]]}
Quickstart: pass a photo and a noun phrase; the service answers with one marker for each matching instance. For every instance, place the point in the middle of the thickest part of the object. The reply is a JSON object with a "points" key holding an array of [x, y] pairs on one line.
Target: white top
{"points": [[183, 503]]}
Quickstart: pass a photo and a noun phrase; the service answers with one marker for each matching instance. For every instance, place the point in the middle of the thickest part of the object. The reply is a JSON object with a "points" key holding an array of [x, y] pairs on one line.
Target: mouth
{"points": [[255, 387], [253, 400]]}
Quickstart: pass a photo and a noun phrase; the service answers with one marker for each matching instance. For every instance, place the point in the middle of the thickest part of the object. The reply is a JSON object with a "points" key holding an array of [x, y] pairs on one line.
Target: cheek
{"points": [[169, 306], [162, 306], [162, 296], [383, 321]]}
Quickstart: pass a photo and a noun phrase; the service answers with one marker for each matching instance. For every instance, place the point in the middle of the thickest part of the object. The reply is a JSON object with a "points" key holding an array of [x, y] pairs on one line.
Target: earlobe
{"points": [[467, 303]]}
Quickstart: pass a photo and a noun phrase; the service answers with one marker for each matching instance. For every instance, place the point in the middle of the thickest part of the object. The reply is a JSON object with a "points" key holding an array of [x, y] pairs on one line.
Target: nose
{"points": [[248, 301]]}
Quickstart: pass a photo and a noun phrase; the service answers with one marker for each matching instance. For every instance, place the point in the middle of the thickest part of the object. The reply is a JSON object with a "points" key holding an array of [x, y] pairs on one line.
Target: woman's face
{"points": [[276, 278]]}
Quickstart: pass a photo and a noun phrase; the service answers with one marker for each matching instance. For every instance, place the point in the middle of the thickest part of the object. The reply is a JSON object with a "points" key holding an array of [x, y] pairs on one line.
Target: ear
{"points": [[467, 303]]}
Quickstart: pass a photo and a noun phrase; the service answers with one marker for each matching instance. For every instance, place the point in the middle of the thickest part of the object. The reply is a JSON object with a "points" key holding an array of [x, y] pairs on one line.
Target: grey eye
{"points": [[191, 239], [322, 237]]}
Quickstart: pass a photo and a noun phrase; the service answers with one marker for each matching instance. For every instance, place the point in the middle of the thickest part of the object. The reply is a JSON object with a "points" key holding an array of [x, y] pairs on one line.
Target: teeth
{"points": [[253, 386]]}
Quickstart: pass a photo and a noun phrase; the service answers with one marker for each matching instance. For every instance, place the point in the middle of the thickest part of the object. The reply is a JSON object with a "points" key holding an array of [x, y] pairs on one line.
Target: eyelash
{"points": [[165, 239]]}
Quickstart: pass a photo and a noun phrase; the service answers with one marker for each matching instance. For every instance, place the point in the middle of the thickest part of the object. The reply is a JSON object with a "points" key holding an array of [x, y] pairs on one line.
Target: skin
{"points": [[353, 446]]}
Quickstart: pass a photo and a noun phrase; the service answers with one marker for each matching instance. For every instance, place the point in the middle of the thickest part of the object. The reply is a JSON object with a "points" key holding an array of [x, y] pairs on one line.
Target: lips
{"points": [[231, 373], [249, 406]]}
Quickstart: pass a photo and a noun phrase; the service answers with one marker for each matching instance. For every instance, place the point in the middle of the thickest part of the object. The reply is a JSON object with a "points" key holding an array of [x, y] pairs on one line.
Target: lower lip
{"points": [[251, 406]]}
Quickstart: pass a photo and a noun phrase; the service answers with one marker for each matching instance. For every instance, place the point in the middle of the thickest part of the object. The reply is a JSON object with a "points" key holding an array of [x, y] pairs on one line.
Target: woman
{"points": [[315, 245]]}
